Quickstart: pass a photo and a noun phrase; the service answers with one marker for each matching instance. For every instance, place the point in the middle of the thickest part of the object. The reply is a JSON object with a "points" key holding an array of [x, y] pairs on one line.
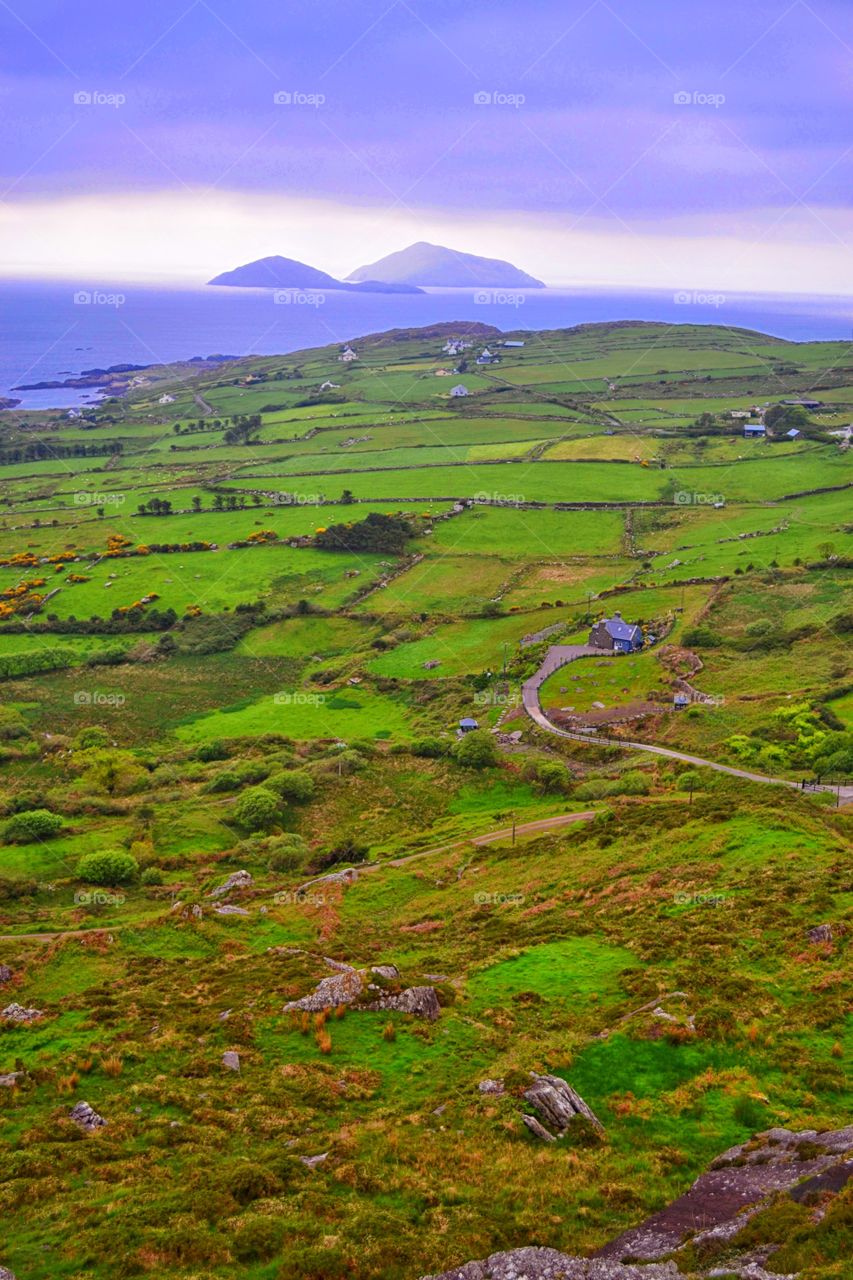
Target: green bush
{"points": [[430, 748], [247, 1181], [477, 750], [257, 809], [258, 1239], [151, 875], [286, 852], [552, 777], [94, 736], [293, 785], [701, 638], [34, 824], [108, 868]]}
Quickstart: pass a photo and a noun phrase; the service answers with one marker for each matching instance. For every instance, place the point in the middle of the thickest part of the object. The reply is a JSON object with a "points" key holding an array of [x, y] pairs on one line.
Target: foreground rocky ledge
{"points": [[742, 1181]]}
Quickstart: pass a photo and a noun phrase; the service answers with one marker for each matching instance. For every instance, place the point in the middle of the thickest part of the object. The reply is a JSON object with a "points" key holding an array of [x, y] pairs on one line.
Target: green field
{"points": [[275, 685]]}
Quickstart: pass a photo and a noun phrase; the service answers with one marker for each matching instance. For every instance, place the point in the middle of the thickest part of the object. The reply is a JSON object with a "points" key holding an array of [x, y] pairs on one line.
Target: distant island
{"points": [[277, 272], [433, 265]]}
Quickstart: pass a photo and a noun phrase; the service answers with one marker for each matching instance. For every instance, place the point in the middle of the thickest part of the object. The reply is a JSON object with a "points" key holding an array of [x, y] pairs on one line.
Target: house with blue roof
{"points": [[616, 635]]}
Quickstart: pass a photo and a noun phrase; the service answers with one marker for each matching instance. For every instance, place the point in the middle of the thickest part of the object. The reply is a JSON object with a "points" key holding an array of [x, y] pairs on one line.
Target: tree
{"points": [[35, 824], [196, 503], [477, 750], [347, 497], [108, 868], [257, 809]]}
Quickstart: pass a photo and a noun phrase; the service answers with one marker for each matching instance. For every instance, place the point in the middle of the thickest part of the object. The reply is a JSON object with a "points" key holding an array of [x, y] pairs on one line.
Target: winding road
{"points": [[561, 654]]}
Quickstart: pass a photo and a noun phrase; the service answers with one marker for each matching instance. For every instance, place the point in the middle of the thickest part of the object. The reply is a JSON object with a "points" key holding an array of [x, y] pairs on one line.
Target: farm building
{"points": [[754, 430], [467, 725], [617, 635], [793, 434], [486, 357], [459, 391], [348, 355]]}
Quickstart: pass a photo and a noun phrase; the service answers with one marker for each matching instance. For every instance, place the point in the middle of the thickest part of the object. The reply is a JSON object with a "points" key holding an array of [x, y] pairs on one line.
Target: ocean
{"points": [[50, 331]]}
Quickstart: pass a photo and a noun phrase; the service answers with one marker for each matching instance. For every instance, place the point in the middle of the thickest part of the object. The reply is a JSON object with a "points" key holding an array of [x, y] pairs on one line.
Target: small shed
{"points": [[793, 434], [467, 724], [459, 391], [755, 431], [680, 701]]}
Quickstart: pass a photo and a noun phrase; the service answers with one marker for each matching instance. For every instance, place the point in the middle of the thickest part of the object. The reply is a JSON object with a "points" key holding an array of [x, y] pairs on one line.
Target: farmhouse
{"points": [[754, 430], [616, 635], [459, 391], [347, 355], [487, 357]]}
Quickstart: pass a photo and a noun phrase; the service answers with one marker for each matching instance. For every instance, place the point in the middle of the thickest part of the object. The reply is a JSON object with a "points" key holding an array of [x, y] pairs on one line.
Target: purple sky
{"points": [[598, 139]]}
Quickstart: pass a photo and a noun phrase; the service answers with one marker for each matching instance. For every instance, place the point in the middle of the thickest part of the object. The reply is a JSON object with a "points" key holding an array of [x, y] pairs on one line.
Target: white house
{"points": [[166, 399], [347, 355], [330, 386], [459, 391]]}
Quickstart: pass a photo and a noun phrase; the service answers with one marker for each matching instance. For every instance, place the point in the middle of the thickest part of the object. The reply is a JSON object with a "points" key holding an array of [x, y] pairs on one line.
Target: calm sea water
{"points": [[49, 331]]}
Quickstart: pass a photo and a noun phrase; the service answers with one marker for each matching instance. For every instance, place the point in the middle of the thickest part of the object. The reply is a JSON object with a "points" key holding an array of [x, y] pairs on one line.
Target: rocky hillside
{"points": [[763, 1210]]}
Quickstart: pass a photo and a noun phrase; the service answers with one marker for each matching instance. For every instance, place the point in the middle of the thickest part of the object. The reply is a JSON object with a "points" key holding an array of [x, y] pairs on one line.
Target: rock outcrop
{"points": [[549, 1264], [772, 1162], [5, 974], [237, 880], [738, 1185], [231, 1060], [348, 986], [17, 1013], [559, 1105], [87, 1117], [422, 1002]]}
